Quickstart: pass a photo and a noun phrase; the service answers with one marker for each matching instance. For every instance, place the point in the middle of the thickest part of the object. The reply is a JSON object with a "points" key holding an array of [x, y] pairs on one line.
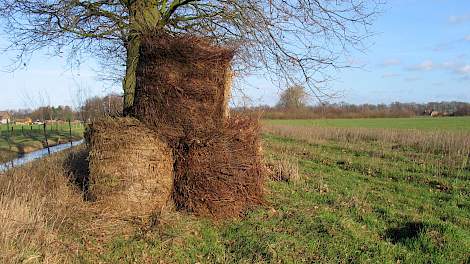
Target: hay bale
{"points": [[183, 83], [131, 168], [219, 173]]}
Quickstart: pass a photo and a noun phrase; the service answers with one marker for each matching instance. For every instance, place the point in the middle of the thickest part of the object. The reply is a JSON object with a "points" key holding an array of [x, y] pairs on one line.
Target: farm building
{"points": [[23, 121], [4, 117]]}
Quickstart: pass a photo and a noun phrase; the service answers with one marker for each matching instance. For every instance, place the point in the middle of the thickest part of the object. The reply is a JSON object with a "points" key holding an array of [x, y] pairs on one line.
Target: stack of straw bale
{"points": [[184, 135]]}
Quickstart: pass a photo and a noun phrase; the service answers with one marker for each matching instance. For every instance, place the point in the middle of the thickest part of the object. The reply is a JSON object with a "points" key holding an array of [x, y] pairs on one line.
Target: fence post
{"points": [[70, 133], [45, 136], [22, 130], [8, 134]]}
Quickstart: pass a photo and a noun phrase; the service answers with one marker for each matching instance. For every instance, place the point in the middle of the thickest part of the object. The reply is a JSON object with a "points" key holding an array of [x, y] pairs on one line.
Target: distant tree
{"points": [[297, 41], [96, 107], [92, 109], [112, 104], [293, 97]]}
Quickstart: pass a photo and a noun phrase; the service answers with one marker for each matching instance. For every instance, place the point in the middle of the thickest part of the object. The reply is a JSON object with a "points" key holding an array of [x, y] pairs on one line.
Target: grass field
{"points": [[422, 123], [26, 138], [362, 196]]}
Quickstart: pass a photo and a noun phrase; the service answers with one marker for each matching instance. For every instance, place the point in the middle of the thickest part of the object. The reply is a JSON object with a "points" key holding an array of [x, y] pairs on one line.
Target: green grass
{"points": [[27, 138], [356, 203], [424, 123]]}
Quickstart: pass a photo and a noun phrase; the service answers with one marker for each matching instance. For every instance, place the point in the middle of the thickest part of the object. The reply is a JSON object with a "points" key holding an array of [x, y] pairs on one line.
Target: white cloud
{"points": [[456, 66], [449, 65], [426, 65], [391, 62], [355, 61], [465, 69], [459, 19], [412, 79], [390, 75], [467, 38], [459, 68]]}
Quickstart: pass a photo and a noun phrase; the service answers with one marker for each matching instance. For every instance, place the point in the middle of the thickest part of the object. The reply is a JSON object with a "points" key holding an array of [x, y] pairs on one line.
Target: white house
{"points": [[4, 117]]}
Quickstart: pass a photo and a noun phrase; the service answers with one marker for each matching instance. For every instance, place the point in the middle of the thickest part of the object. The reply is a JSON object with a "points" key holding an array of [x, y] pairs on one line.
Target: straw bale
{"points": [[183, 83], [219, 173], [131, 168]]}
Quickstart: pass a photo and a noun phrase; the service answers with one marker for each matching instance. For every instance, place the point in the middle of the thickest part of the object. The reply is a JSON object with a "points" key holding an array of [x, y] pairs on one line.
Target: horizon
{"points": [[418, 54], [274, 106]]}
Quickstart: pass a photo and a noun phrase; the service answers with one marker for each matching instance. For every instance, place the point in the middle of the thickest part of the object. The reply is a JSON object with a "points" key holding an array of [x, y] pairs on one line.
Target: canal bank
{"points": [[28, 157]]}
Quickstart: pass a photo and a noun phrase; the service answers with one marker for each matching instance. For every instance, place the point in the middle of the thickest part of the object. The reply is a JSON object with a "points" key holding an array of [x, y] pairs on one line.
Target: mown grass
{"points": [[360, 199], [422, 123]]}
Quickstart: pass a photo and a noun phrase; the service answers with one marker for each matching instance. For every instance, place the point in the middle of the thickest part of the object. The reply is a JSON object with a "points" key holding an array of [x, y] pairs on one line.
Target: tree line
{"points": [[293, 104], [89, 110], [346, 110]]}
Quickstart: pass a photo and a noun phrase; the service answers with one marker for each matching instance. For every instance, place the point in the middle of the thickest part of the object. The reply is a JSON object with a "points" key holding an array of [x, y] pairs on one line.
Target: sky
{"points": [[420, 52]]}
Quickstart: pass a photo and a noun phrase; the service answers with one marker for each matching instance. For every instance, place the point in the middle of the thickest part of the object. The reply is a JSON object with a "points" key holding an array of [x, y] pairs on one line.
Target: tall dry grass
{"points": [[454, 146], [284, 168], [35, 200], [46, 215]]}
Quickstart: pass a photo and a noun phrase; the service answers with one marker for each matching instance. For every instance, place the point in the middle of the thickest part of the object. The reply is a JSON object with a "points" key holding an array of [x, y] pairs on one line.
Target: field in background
{"points": [[422, 123], [362, 195], [27, 138]]}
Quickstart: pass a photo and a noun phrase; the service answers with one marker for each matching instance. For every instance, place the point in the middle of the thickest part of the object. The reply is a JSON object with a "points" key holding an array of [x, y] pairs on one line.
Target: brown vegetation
{"points": [[219, 173], [455, 145], [182, 89], [181, 84], [45, 216], [332, 112], [345, 110], [35, 202], [131, 168], [283, 169]]}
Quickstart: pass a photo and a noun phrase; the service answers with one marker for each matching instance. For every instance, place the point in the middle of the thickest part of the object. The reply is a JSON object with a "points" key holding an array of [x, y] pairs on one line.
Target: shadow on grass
{"points": [[408, 231], [76, 164]]}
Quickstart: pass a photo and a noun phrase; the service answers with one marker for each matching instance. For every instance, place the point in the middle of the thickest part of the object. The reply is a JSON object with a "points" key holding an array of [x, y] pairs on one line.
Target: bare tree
{"points": [[294, 41], [293, 97]]}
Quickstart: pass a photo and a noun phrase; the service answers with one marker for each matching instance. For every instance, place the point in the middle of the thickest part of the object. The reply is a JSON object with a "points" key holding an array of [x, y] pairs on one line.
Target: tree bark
{"points": [[144, 17], [130, 79]]}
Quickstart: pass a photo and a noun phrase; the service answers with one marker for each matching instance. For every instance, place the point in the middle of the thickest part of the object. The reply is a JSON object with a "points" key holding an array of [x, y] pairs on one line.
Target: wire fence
{"points": [[59, 131]]}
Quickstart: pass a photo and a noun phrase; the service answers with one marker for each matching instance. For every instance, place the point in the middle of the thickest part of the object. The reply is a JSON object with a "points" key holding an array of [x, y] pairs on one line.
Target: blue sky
{"points": [[420, 53]]}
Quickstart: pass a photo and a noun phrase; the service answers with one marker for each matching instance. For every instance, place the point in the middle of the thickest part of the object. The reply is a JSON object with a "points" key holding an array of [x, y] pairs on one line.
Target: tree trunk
{"points": [[129, 80], [143, 17]]}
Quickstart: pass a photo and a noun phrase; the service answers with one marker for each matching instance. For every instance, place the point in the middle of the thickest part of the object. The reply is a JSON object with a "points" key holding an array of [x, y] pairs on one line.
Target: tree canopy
{"points": [[293, 97], [293, 41]]}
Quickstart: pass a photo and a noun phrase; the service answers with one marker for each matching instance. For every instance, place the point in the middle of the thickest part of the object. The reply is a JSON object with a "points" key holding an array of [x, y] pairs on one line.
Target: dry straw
{"points": [[284, 168], [182, 89], [182, 84], [131, 168], [219, 173], [35, 203]]}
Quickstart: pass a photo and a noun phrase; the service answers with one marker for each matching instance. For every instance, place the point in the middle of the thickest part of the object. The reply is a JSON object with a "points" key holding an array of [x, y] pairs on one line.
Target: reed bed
{"points": [[35, 201], [44, 212]]}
